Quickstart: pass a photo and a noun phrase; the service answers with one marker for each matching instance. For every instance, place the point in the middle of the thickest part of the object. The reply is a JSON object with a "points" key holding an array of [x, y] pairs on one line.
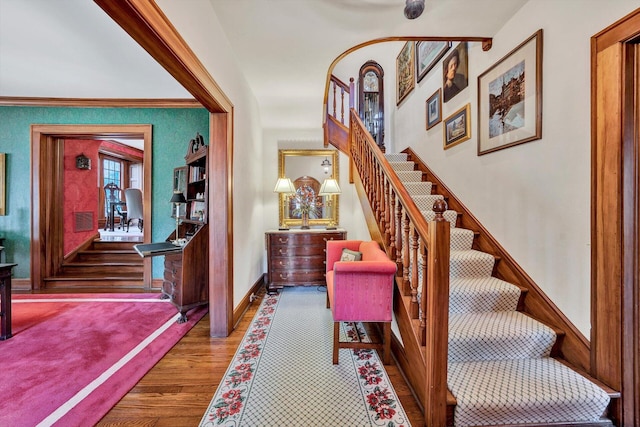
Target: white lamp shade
{"points": [[284, 185], [329, 186]]}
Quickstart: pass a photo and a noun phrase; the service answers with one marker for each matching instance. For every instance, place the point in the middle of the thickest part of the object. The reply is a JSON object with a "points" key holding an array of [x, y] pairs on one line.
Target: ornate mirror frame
{"points": [[308, 163]]}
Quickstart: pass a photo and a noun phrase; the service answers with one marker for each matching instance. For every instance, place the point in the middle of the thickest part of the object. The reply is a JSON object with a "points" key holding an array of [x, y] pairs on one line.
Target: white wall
{"points": [[197, 23], [535, 197]]}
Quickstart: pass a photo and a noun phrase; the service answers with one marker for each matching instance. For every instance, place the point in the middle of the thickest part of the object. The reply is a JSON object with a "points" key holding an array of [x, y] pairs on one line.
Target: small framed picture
{"points": [[404, 71], [457, 127], [510, 98], [434, 109], [427, 56]]}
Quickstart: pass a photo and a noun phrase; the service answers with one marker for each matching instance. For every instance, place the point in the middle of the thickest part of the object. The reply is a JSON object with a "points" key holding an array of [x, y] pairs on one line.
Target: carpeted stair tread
{"points": [[461, 239], [422, 188], [449, 215], [396, 157], [478, 294], [497, 335], [470, 263], [538, 390], [409, 176], [402, 166], [425, 203]]}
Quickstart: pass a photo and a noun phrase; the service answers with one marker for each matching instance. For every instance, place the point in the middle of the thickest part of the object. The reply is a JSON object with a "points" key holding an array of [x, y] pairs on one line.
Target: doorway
{"points": [[47, 213]]}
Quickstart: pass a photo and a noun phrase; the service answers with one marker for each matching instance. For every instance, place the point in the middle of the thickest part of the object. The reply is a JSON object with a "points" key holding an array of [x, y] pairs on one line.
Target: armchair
{"points": [[360, 291], [113, 204]]}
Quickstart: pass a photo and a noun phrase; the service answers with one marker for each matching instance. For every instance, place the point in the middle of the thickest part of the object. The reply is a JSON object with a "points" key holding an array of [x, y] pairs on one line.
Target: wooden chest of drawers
{"points": [[297, 257]]}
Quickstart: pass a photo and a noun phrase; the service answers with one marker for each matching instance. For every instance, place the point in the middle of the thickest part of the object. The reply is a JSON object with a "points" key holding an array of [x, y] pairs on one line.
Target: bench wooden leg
{"points": [[336, 341]]}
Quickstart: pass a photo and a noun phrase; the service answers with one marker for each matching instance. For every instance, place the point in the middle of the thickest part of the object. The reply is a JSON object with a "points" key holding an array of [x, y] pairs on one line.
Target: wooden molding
{"points": [[98, 102]]}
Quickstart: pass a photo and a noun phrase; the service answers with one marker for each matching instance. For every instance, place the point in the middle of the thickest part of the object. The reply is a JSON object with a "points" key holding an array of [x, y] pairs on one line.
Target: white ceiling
{"points": [[72, 49]]}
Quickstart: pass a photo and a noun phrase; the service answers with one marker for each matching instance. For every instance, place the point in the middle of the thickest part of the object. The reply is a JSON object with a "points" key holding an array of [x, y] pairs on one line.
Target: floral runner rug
{"points": [[282, 373]]}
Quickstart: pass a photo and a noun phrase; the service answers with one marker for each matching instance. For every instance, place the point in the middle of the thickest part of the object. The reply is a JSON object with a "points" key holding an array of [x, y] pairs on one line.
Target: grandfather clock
{"points": [[371, 100]]}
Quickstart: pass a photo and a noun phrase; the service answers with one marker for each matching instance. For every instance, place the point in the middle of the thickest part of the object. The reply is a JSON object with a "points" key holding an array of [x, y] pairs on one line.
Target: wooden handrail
{"points": [[421, 251]]}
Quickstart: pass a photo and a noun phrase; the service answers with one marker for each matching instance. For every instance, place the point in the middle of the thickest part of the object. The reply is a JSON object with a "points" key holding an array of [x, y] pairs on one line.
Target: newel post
{"points": [[437, 318]]}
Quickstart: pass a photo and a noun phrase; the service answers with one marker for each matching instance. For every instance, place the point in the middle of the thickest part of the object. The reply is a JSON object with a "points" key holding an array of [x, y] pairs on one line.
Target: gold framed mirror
{"points": [[308, 170]]}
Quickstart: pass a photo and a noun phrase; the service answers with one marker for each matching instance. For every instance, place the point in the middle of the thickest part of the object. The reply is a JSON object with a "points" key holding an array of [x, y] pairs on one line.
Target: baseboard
{"points": [[238, 311]]}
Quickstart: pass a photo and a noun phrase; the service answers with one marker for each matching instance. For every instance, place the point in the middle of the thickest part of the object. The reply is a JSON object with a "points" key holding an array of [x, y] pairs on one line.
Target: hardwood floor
{"points": [[177, 391]]}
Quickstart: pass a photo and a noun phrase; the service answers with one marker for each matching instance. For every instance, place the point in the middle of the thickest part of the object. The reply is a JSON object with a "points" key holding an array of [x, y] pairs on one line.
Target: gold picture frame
{"points": [[457, 127], [405, 68], [2, 183], [510, 98]]}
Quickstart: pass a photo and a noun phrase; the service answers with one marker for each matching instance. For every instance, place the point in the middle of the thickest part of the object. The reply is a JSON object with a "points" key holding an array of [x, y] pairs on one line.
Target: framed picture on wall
{"points": [[457, 127], [455, 72], [434, 109], [427, 56], [510, 98], [404, 72]]}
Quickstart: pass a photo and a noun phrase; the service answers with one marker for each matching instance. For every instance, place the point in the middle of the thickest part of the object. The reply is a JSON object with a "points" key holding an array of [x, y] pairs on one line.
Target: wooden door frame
{"points": [[47, 160], [615, 238], [144, 21]]}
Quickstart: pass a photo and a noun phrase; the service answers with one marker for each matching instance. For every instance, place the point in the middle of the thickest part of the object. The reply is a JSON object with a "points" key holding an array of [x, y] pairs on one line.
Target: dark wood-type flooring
{"points": [[177, 391]]}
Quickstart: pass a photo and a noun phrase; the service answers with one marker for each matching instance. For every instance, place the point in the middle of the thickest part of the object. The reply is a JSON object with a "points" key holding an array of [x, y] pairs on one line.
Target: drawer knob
{"points": [[281, 240], [282, 252], [284, 276]]}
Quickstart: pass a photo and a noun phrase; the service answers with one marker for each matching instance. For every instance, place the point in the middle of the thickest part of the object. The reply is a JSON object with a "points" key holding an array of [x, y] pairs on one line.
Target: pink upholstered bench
{"points": [[360, 291]]}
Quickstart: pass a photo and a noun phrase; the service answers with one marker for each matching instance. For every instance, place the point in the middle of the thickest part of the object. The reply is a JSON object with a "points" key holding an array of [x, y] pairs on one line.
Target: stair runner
{"points": [[499, 364]]}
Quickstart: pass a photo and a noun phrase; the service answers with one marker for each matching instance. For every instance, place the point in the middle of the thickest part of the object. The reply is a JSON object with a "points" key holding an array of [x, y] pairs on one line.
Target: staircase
{"points": [[105, 266], [501, 365]]}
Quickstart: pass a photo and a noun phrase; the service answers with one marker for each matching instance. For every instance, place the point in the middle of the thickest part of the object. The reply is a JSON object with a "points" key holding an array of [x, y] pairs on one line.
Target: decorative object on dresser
{"points": [[329, 188], [297, 257], [284, 186]]}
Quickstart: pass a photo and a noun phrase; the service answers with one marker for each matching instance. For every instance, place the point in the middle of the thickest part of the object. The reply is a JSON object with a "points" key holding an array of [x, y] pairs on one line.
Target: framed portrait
{"points": [[404, 72], [457, 127], [455, 72], [510, 98], [427, 56], [434, 109], [2, 183]]}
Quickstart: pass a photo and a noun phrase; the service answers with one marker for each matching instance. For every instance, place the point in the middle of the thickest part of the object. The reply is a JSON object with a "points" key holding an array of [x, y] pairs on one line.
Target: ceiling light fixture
{"points": [[413, 9]]}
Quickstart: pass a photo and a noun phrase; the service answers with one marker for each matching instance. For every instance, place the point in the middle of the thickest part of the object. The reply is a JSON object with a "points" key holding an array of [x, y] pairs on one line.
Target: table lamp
{"points": [[177, 199], [284, 186], [329, 188]]}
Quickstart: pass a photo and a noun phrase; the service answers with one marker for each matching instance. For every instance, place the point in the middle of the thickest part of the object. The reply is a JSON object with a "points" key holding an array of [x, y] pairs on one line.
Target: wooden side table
{"points": [[5, 300]]}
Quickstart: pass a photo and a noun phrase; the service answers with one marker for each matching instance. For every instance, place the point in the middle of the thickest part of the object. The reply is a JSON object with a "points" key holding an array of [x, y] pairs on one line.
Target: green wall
{"points": [[173, 128]]}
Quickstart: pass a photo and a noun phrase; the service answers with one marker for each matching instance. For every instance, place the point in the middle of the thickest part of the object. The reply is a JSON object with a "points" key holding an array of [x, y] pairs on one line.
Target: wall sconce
{"points": [[177, 199], [329, 188], [83, 162], [326, 164], [284, 186]]}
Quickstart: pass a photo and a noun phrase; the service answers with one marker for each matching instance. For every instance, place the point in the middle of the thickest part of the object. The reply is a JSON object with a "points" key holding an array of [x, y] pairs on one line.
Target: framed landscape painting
{"points": [[404, 72], [427, 56], [510, 98], [457, 127], [434, 109]]}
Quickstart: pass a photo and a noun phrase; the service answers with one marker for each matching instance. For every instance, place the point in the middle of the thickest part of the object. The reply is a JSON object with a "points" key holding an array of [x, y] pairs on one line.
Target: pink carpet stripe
{"points": [[82, 394]]}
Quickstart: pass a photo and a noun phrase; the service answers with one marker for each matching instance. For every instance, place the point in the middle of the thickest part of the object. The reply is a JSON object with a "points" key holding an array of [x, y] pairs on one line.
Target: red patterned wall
{"points": [[80, 190]]}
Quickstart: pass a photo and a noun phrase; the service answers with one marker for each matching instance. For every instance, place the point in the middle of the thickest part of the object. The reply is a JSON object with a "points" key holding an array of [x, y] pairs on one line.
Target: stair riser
{"points": [[109, 258], [101, 270]]}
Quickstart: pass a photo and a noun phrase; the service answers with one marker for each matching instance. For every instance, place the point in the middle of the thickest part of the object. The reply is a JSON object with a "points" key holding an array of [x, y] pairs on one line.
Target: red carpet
{"points": [[73, 357]]}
